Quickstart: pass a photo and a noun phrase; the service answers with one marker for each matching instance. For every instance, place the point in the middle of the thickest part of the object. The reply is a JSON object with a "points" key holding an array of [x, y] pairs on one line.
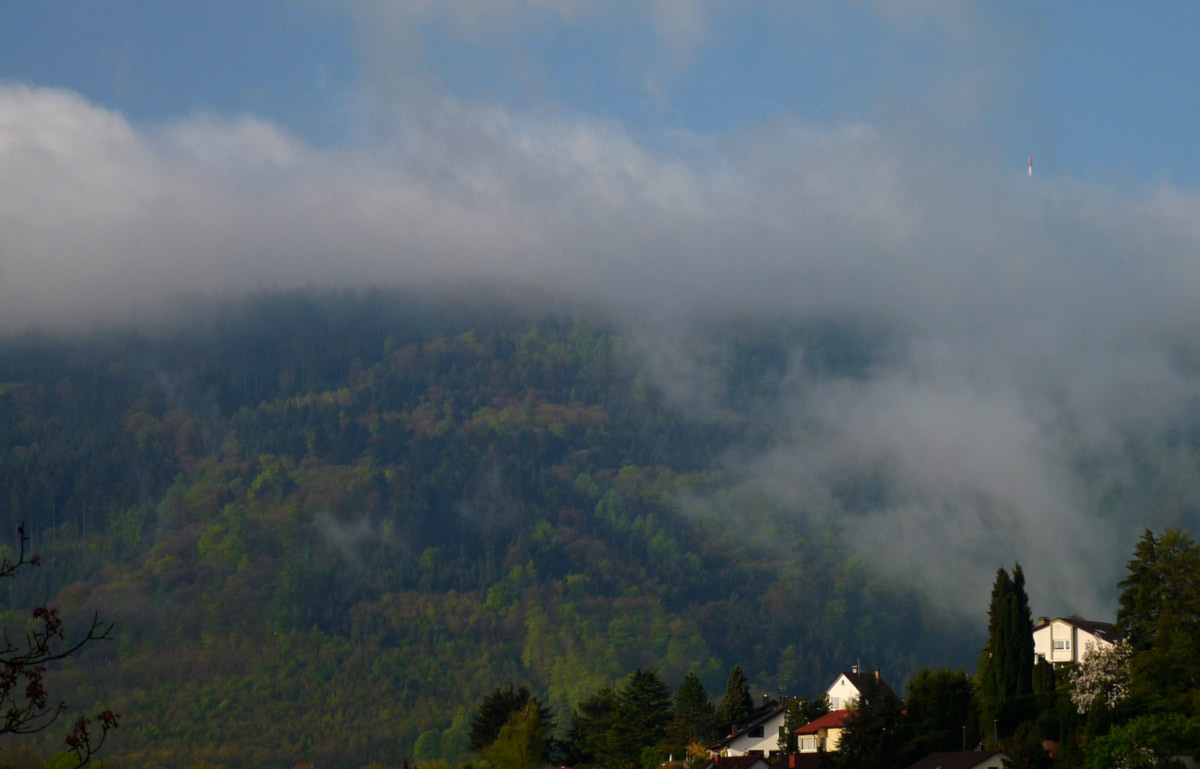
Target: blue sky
{"points": [[662, 160], [1096, 91]]}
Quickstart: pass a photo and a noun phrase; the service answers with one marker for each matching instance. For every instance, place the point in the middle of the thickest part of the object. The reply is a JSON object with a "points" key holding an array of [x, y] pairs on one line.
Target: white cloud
{"points": [[1041, 328]]}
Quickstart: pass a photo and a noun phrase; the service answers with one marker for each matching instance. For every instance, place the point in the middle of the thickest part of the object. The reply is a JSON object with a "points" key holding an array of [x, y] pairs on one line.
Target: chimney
{"points": [[854, 669], [1043, 621], [876, 674]]}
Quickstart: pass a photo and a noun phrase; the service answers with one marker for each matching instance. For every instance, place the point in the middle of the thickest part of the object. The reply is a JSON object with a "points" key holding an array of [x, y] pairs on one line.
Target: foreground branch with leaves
{"points": [[26, 706]]}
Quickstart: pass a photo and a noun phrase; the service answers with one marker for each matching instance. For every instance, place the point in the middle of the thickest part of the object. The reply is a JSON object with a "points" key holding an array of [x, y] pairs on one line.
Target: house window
{"points": [[835, 703], [757, 732], [1062, 646], [808, 743]]}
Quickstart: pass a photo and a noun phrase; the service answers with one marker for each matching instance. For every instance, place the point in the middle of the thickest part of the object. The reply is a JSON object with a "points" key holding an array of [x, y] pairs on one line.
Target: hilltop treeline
{"points": [[326, 525]]}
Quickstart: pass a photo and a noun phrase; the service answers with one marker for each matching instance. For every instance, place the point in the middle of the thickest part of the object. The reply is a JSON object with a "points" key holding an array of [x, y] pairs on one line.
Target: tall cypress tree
{"points": [[991, 674], [1022, 639], [1006, 677]]}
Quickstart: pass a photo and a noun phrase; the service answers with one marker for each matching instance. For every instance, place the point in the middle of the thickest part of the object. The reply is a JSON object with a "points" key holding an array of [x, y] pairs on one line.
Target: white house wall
{"points": [[1058, 630], [841, 693], [767, 744]]}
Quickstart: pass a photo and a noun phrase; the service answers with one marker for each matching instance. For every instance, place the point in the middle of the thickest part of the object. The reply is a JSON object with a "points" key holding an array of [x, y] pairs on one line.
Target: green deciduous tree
{"points": [[1147, 741], [497, 709], [521, 742], [940, 704], [428, 746]]}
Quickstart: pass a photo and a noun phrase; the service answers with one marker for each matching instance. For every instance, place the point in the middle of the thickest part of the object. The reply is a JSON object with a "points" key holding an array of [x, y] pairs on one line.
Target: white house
{"points": [[756, 736], [847, 688], [1064, 640]]}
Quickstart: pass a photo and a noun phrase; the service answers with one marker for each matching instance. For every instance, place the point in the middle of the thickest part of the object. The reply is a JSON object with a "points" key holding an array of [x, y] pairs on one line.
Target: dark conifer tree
{"points": [[1006, 672], [1022, 634], [644, 712], [694, 715], [1160, 614], [1044, 683], [591, 724], [1140, 601], [737, 703]]}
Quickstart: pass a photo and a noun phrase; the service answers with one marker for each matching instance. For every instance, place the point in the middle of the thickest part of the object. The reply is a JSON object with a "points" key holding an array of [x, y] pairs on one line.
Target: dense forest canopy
{"points": [[326, 524]]}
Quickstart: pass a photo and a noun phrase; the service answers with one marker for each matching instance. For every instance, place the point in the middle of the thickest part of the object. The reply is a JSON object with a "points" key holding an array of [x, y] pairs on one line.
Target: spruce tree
{"points": [[737, 703], [591, 723], [1160, 615], [643, 714], [694, 715]]}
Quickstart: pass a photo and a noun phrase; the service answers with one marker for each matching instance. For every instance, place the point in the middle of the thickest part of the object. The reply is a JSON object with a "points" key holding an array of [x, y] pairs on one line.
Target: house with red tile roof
{"points": [[823, 734]]}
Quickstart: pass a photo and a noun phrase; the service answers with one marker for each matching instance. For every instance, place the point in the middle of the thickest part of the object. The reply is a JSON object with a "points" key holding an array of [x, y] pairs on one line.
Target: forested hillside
{"points": [[326, 525]]}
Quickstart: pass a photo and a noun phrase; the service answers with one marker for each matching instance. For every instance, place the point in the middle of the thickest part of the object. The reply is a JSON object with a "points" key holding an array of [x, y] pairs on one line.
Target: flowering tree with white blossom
{"points": [[1102, 676]]}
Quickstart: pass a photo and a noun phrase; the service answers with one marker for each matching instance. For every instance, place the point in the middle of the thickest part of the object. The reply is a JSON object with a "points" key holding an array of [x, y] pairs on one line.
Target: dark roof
{"points": [[1102, 630], [759, 716], [954, 760], [828, 721], [859, 681], [798, 761], [734, 762]]}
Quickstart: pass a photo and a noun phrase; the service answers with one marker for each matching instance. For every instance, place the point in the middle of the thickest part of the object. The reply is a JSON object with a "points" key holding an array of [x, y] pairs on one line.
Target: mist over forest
{"points": [[334, 489]]}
